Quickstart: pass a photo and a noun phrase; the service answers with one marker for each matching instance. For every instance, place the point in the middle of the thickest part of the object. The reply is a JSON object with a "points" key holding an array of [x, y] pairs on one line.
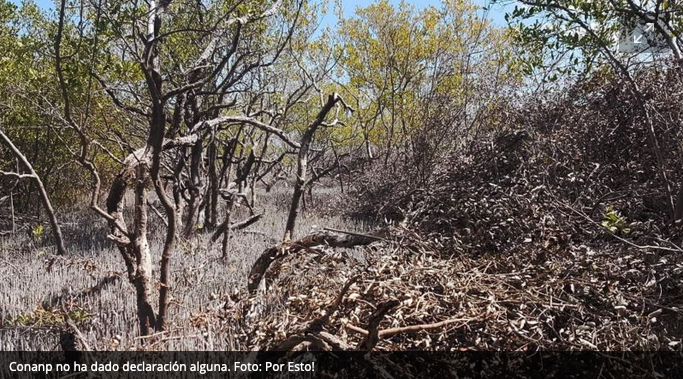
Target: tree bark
{"points": [[212, 211], [158, 127], [133, 246], [143, 275], [226, 230], [302, 163], [195, 189]]}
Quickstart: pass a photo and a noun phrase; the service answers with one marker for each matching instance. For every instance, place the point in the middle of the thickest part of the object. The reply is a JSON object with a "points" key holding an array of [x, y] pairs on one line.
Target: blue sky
{"points": [[496, 14]]}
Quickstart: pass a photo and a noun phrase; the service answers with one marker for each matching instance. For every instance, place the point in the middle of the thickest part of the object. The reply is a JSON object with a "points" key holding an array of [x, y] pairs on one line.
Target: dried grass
{"points": [[35, 276]]}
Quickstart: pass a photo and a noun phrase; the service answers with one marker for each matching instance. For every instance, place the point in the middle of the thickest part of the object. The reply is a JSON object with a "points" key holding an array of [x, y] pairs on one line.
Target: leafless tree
{"points": [[31, 174]]}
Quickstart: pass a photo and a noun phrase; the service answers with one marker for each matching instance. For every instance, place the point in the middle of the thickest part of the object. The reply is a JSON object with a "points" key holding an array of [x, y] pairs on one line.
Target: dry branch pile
{"points": [[577, 299], [558, 241], [553, 234]]}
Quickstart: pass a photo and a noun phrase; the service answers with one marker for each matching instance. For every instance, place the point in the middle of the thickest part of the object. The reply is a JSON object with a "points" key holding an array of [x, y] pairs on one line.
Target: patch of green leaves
{"points": [[615, 222], [38, 231]]}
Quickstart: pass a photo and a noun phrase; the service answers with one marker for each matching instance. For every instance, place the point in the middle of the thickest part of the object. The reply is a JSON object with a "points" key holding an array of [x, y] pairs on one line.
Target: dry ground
{"points": [[32, 277], [601, 295]]}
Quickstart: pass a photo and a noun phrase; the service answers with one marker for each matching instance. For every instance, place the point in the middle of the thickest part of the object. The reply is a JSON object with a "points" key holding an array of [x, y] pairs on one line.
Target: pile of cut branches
{"points": [[401, 294], [551, 233]]}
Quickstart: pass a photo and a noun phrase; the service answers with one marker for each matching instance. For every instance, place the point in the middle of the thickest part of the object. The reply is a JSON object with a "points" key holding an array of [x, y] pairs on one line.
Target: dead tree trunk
{"points": [[195, 189], [302, 162], [212, 211], [255, 177], [233, 198], [44, 198], [156, 143], [143, 275], [227, 229], [133, 246], [142, 168]]}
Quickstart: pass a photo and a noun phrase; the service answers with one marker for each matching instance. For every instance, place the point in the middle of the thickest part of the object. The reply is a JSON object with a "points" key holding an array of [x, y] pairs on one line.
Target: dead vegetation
{"points": [[572, 300], [550, 233], [538, 251], [547, 236]]}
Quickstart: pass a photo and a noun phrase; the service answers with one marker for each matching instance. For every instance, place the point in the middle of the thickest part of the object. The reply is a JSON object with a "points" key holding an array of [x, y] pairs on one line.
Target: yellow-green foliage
{"points": [[31, 102], [615, 222], [399, 59]]}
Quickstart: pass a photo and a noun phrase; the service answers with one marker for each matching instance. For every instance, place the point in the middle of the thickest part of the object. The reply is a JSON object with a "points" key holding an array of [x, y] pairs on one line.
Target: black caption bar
{"points": [[149, 365]]}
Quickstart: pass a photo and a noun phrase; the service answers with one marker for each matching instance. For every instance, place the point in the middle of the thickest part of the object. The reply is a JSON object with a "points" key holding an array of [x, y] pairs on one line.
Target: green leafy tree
{"points": [[424, 78]]}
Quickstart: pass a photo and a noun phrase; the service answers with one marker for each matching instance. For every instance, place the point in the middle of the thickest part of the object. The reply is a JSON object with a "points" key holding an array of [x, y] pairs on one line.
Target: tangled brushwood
{"points": [[551, 234], [577, 298]]}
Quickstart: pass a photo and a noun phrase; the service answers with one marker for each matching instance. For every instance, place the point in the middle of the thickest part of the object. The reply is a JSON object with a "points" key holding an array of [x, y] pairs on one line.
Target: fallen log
{"points": [[323, 237]]}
